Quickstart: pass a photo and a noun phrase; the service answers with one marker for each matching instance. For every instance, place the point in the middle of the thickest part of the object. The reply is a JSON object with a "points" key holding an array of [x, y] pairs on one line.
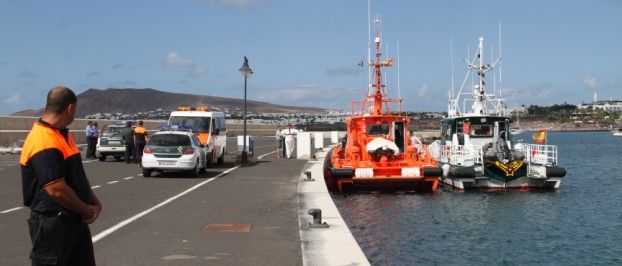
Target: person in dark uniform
{"points": [[128, 137], [56, 189], [90, 144], [140, 140]]}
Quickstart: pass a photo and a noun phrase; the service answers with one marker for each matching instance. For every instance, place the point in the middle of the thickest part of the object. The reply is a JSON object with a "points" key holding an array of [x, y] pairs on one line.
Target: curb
{"points": [[334, 245]]}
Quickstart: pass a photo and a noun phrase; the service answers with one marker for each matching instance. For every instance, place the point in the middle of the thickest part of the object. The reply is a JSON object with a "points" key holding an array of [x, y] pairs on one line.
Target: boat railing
{"points": [[389, 105], [541, 154], [463, 155]]}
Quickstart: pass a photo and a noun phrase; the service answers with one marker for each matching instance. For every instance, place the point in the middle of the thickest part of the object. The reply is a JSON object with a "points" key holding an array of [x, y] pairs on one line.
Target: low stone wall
{"points": [[14, 128]]}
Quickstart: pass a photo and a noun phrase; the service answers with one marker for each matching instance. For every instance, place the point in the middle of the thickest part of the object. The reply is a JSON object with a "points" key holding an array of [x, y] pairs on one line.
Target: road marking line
{"points": [[94, 187], [128, 178], [140, 174], [112, 182], [12, 164], [10, 210], [261, 156], [147, 211], [2, 169]]}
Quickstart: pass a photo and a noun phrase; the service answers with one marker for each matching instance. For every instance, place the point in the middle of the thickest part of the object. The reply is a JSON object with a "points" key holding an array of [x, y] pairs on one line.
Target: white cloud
{"points": [[118, 65], [197, 71], [592, 82], [174, 60], [28, 74], [14, 98], [308, 95], [232, 3], [92, 74], [344, 71], [423, 90]]}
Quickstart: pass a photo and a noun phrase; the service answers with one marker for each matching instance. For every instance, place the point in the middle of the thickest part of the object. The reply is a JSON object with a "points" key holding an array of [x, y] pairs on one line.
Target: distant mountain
{"points": [[132, 101]]}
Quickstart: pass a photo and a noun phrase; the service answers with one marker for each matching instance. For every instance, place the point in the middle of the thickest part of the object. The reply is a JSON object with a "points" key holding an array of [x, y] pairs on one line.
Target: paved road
{"points": [[163, 220]]}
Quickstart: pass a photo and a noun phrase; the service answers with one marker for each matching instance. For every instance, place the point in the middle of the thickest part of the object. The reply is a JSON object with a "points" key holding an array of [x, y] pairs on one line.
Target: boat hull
{"points": [[491, 180], [344, 179]]}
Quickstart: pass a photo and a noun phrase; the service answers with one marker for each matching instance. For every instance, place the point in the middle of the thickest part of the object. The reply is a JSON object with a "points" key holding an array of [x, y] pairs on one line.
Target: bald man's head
{"points": [[59, 98]]}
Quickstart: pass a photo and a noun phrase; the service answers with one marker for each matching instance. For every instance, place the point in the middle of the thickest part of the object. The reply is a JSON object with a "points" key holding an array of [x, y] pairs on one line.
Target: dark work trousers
{"points": [[284, 155], [60, 239], [129, 151], [93, 146], [90, 147], [138, 151]]}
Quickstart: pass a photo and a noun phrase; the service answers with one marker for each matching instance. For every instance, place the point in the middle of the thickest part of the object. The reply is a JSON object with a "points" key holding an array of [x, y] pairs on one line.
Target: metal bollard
{"points": [[317, 219], [308, 174]]}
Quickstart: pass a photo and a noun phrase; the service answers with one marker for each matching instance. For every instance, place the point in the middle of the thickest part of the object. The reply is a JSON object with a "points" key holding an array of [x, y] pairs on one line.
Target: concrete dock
{"points": [[231, 215]]}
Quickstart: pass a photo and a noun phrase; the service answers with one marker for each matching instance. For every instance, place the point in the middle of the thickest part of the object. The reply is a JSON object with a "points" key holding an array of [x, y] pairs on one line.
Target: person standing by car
{"points": [[290, 140], [56, 189], [89, 139], [279, 142], [94, 136], [128, 137], [140, 140]]}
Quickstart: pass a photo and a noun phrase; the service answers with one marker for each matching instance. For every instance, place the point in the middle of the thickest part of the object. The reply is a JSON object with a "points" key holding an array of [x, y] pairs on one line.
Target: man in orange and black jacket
{"points": [[56, 189], [140, 140]]}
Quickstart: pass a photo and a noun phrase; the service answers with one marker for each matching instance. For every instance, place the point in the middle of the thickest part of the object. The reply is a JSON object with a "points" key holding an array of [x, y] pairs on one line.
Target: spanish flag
{"points": [[539, 136]]}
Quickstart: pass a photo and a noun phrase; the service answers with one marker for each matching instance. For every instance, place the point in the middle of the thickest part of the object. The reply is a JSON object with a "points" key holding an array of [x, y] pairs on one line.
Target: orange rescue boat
{"points": [[378, 151]]}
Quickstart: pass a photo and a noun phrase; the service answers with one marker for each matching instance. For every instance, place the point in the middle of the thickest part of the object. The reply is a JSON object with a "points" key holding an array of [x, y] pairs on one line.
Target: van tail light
{"points": [[147, 150], [189, 151]]}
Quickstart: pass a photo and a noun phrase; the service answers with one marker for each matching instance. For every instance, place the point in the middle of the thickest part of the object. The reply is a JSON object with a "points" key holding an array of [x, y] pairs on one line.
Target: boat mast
{"points": [[377, 65], [478, 90]]}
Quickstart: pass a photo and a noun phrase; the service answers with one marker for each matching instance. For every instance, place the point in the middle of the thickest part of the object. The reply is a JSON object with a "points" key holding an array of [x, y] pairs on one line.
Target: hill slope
{"points": [[141, 100]]}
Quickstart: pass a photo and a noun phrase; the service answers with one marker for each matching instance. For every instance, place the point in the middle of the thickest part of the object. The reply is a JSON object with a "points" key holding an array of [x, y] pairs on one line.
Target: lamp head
{"points": [[245, 70]]}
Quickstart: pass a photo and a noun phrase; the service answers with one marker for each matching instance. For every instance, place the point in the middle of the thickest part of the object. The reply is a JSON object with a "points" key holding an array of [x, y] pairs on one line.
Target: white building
{"points": [[612, 106]]}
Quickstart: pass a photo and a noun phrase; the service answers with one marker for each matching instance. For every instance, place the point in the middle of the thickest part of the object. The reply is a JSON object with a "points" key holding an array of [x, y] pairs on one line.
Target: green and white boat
{"points": [[476, 148]]}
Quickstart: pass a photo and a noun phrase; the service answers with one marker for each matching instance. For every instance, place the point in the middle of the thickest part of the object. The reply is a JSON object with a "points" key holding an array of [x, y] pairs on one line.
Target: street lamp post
{"points": [[246, 72]]}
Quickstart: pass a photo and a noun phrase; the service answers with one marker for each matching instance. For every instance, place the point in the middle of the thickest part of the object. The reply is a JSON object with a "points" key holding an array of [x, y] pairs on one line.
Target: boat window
{"points": [[382, 129], [481, 131]]}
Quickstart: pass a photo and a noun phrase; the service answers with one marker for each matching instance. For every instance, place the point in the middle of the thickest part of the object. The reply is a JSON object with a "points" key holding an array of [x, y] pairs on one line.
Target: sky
{"points": [[306, 52]]}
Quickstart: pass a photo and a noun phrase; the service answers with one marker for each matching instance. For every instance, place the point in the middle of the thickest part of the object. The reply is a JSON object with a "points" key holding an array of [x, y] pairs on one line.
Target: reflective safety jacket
{"points": [[141, 134], [49, 154]]}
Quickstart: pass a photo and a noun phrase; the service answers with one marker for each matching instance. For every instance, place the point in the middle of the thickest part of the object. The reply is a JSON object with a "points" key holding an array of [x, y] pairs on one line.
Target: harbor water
{"points": [[580, 224]]}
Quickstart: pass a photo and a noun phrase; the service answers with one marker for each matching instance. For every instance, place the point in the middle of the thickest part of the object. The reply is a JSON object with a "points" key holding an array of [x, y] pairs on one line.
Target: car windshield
{"points": [[169, 140], [198, 124], [111, 131]]}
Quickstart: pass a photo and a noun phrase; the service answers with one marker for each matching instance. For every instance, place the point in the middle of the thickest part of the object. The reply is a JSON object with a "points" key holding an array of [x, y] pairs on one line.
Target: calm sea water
{"points": [[580, 224]]}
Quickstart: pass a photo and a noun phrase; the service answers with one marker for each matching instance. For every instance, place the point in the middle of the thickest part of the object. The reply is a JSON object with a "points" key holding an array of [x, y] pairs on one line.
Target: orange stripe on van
{"points": [[203, 137]]}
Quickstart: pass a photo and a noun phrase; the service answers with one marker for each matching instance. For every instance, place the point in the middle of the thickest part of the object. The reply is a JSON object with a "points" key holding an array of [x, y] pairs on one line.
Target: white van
{"points": [[209, 127]]}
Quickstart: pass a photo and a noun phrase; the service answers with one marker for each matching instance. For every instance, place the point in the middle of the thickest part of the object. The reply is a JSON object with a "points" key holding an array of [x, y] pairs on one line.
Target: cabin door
{"points": [[501, 130], [399, 135]]}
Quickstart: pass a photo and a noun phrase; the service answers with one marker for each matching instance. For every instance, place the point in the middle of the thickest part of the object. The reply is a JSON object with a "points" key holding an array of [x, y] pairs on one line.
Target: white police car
{"points": [[173, 151], [111, 142]]}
